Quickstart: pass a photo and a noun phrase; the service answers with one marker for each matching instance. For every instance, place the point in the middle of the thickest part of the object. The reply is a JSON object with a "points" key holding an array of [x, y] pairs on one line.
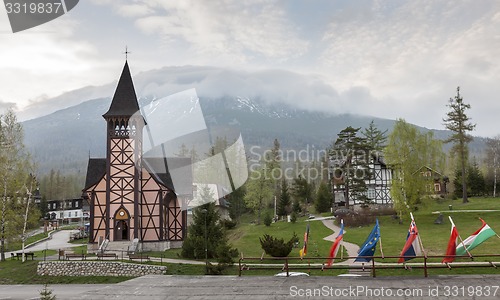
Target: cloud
{"points": [[411, 56], [224, 31]]}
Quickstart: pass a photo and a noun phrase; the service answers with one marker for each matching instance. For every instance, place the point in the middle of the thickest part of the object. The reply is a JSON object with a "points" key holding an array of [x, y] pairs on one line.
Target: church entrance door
{"points": [[121, 230]]}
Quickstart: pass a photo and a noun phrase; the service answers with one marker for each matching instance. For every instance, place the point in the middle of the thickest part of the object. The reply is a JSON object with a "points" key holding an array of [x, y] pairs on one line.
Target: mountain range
{"points": [[64, 139]]}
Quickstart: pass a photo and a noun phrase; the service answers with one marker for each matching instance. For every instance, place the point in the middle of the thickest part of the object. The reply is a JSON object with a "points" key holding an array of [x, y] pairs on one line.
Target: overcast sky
{"points": [[389, 59]]}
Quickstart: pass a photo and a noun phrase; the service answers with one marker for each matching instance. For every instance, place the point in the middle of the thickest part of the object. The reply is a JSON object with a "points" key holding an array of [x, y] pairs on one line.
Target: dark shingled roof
{"points": [[95, 170], [125, 100], [178, 177]]}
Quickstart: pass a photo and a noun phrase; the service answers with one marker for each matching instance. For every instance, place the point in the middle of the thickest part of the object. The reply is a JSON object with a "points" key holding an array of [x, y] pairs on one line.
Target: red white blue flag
{"points": [[411, 248], [336, 245]]}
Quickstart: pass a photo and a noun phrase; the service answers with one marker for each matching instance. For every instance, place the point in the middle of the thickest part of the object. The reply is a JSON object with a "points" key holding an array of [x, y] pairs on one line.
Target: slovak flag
{"points": [[451, 251], [411, 248], [336, 245]]}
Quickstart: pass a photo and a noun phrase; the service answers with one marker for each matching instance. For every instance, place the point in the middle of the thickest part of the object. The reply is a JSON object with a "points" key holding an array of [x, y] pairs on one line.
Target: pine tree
{"points": [[350, 155], [323, 198], [475, 179], [375, 138], [206, 232], [284, 200], [46, 293], [459, 123]]}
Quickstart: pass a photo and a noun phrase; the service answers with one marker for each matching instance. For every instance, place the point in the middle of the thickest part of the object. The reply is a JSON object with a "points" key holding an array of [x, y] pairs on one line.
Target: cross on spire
{"points": [[126, 52]]}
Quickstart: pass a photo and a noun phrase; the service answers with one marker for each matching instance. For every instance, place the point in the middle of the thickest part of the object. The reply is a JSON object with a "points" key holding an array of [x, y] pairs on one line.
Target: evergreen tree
{"points": [[323, 198], [350, 155], [206, 233], [302, 190], [475, 179], [284, 203], [183, 151], [237, 203], [375, 138], [459, 123]]}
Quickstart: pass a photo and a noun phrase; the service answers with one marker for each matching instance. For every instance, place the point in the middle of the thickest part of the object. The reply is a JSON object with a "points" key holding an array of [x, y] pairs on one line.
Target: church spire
{"points": [[124, 103]]}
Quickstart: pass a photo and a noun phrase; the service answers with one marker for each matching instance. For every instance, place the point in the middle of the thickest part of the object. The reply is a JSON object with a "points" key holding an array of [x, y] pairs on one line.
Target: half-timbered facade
{"points": [[378, 184], [129, 199]]}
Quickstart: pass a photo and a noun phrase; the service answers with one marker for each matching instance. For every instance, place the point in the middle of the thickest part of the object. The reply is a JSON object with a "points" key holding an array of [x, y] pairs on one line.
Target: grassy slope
{"points": [[434, 237]]}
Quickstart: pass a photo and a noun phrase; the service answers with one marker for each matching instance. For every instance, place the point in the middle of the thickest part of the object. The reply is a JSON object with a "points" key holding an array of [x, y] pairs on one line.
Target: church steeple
{"points": [[124, 103]]}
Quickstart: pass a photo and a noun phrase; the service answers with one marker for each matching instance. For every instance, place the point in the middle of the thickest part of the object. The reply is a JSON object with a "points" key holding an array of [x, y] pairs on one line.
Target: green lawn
{"points": [[246, 235], [434, 237]]}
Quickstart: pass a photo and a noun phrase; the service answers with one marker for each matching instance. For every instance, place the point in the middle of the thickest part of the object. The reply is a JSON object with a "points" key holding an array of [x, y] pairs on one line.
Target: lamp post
{"points": [[205, 212]]}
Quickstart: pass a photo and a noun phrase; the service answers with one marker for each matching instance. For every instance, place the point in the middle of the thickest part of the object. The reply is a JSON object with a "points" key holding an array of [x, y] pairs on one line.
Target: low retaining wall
{"points": [[97, 268]]}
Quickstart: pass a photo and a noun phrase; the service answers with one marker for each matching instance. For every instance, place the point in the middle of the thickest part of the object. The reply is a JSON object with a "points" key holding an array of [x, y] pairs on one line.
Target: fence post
{"points": [[239, 267], [286, 266], [373, 267], [425, 266]]}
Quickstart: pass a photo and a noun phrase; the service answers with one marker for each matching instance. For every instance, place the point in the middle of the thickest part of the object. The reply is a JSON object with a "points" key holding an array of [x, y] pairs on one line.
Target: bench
{"points": [[103, 255], [20, 255], [138, 256], [75, 255]]}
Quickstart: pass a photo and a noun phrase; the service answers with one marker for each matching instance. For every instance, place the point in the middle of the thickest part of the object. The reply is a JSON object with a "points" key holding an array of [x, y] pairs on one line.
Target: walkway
{"points": [[352, 249], [58, 240]]}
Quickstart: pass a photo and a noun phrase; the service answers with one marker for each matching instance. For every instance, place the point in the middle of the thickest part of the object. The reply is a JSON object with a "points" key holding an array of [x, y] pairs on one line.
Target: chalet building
{"points": [[132, 196], [437, 182], [378, 186]]}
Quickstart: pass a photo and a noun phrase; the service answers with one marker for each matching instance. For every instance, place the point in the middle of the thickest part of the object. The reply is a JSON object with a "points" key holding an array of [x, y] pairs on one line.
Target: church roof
{"points": [[176, 174], [124, 101], [95, 171]]}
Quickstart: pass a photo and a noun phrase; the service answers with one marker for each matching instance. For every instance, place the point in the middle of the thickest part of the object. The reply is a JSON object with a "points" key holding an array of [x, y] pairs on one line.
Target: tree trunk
{"points": [[495, 176], [464, 181]]}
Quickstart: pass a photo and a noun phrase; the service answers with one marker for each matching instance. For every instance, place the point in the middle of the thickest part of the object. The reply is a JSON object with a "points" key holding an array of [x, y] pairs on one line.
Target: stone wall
{"points": [[97, 268]]}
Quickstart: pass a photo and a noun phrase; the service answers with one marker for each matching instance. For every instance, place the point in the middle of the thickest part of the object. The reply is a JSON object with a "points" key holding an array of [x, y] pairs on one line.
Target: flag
{"points": [[411, 248], [303, 251], [368, 247], [481, 235], [336, 244], [452, 245]]}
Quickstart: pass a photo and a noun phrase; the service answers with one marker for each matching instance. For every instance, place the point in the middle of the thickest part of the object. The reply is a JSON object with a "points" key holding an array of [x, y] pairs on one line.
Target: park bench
{"points": [[103, 255], [20, 255], [75, 255], [138, 256]]}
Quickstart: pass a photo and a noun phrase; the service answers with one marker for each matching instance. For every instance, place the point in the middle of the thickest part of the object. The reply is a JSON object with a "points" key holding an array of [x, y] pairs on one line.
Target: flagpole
{"points": [[418, 237], [341, 250], [462, 241], [381, 251]]}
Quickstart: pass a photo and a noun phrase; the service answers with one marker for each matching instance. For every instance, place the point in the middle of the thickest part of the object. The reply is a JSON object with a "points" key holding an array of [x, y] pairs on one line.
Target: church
{"points": [[131, 196]]}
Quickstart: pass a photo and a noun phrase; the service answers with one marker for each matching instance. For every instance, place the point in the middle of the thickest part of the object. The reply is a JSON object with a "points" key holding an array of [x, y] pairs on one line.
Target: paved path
{"points": [[59, 240], [352, 249]]}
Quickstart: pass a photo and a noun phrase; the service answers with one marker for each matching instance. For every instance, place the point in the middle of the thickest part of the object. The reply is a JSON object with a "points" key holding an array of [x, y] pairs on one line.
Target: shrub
{"points": [[277, 247], [268, 219], [293, 217], [228, 224]]}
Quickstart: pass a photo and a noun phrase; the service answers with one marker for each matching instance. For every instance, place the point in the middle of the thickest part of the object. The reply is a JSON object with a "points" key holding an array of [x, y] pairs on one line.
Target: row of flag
{"points": [[413, 246]]}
